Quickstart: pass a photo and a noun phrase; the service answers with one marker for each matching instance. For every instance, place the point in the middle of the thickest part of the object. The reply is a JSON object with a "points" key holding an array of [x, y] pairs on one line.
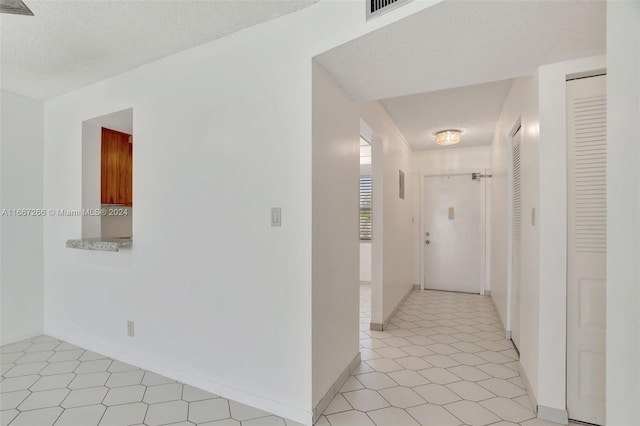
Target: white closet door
{"points": [[586, 248], [516, 226]]}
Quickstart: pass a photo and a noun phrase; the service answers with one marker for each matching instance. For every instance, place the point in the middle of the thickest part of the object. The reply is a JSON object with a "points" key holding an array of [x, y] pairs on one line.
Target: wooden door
{"points": [[116, 168]]}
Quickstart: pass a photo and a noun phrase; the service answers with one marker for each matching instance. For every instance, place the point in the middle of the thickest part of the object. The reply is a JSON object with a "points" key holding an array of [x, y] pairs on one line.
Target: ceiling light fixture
{"points": [[448, 137], [16, 7]]}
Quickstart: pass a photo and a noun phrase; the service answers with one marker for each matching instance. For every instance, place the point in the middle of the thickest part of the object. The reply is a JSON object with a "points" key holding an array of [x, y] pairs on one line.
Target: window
{"points": [[365, 208]]}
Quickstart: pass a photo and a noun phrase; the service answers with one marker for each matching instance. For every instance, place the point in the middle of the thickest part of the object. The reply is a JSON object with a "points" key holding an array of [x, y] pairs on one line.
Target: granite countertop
{"points": [[100, 244]]}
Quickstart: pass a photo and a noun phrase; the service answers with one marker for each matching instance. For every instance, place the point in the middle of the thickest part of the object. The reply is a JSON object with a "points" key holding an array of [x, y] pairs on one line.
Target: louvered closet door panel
{"points": [[586, 248], [516, 211]]}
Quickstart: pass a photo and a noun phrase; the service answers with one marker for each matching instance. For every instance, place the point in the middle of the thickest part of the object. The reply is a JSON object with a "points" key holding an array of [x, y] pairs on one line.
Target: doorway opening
{"points": [[366, 232], [107, 176]]}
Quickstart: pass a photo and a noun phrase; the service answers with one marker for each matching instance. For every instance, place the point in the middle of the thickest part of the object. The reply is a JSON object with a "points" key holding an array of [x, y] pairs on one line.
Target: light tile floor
{"points": [[442, 361], [45, 382]]}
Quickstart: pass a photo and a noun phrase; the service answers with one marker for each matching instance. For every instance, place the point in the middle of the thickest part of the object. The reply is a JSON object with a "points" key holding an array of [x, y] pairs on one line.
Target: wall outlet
{"points": [[130, 330]]}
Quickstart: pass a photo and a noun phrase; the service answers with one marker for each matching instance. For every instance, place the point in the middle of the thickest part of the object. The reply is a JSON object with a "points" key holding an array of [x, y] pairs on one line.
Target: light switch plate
{"points": [[130, 329], [533, 216], [276, 216], [451, 213]]}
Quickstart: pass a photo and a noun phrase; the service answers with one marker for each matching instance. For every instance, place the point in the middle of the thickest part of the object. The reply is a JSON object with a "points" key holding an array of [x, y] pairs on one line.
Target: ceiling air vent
{"points": [[378, 7], [16, 7]]}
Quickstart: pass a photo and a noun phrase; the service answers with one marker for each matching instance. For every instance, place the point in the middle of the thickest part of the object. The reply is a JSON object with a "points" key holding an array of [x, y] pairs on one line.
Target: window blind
{"points": [[365, 208]]}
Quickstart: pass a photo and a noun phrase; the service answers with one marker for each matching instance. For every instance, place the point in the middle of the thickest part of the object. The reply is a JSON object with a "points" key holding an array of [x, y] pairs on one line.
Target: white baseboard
{"points": [[22, 335], [380, 327], [555, 415], [335, 388], [146, 362], [527, 385], [549, 414], [376, 326]]}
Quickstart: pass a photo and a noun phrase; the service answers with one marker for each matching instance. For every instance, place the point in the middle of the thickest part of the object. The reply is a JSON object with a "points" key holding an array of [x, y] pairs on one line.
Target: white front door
{"points": [[586, 248], [454, 233]]}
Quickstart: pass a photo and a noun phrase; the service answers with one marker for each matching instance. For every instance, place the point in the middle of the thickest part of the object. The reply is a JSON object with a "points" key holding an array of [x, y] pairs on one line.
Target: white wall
{"points": [[391, 153], [21, 261], [365, 261], [91, 177], [434, 161], [118, 224], [335, 251], [521, 105], [453, 159], [623, 213], [220, 299]]}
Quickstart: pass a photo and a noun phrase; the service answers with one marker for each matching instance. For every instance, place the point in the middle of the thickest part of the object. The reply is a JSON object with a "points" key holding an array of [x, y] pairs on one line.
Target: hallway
{"points": [[442, 361]]}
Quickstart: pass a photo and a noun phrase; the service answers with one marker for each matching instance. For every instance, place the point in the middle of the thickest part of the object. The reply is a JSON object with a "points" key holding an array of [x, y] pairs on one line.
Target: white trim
{"points": [[147, 362], [381, 327], [487, 234], [422, 231], [483, 219], [483, 199], [335, 388], [17, 337], [527, 385], [555, 415]]}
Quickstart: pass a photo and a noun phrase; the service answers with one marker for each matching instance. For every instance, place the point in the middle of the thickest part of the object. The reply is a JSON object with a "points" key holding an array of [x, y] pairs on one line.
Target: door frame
{"points": [[485, 218], [570, 77]]}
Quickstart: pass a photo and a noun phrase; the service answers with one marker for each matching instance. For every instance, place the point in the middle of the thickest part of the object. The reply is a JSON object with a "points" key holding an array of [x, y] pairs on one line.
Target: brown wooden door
{"points": [[117, 168]]}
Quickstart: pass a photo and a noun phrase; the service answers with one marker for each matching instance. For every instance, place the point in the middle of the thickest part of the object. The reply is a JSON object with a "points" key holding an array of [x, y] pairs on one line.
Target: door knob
{"points": [[427, 242]]}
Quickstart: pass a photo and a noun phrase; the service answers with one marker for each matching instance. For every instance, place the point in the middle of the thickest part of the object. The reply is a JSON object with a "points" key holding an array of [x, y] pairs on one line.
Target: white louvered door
{"points": [[586, 248], [516, 212]]}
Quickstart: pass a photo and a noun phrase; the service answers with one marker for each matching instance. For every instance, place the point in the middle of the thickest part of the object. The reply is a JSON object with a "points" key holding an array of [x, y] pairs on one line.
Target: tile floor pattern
{"points": [[48, 382], [443, 361]]}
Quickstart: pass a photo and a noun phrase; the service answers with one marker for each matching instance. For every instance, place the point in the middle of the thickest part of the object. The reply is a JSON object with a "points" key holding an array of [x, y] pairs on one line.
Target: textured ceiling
{"points": [[473, 109], [461, 43], [70, 44]]}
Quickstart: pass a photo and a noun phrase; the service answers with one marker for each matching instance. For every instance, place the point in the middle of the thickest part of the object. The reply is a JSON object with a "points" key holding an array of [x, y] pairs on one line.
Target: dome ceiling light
{"points": [[448, 137]]}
